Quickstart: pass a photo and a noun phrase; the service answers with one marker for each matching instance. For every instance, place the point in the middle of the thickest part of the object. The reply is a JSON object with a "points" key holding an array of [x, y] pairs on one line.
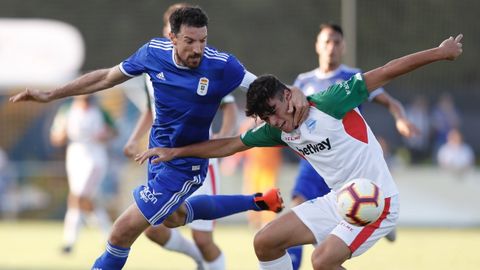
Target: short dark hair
{"points": [[335, 27], [170, 10], [259, 94], [189, 16]]}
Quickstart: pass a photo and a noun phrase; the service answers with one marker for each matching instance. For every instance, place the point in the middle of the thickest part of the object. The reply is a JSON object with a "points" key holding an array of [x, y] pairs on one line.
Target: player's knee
{"points": [[203, 240], [176, 219], [322, 260], [263, 243], [150, 234]]}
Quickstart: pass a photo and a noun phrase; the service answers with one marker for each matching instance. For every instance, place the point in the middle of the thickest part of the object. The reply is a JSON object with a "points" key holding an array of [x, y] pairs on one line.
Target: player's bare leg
{"points": [[331, 254], [286, 231], [128, 227], [204, 241]]}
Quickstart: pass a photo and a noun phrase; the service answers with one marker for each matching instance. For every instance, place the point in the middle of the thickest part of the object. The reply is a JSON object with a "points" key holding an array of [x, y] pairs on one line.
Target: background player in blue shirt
{"points": [[189, 81], [330, 47]]}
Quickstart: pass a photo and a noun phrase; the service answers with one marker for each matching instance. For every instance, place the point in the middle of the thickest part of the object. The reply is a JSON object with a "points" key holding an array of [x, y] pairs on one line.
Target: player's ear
{"points": [[173, 38], [287, 94]]}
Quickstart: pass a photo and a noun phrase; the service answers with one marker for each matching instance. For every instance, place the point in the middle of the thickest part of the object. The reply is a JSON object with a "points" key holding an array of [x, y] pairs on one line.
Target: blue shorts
{"points": [[166, 190], [309, 184]]}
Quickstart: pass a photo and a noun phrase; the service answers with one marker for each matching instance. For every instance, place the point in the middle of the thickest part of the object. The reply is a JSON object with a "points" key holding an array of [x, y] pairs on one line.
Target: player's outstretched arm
{"points": [[395, 107], [208, 149], [89, 83], [449, 49]]}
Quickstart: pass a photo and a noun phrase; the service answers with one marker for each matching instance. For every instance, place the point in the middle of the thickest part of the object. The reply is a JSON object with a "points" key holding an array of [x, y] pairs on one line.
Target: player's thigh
{"points": [[283, 232], [331, 252]]}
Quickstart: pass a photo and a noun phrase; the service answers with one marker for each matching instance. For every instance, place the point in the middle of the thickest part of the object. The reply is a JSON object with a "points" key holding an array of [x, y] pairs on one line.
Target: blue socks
{"points": [[114, 258], [210, 207], [296, 256]]}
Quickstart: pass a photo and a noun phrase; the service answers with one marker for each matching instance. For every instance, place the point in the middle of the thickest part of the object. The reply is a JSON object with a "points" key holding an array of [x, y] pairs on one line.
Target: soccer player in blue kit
{"points": [[189, 80], [330, 46]]}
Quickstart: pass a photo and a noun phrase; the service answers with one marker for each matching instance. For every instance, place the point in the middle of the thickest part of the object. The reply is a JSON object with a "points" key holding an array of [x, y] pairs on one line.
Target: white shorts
{"points": [[321, 217], [86, 166], [210, 186]]}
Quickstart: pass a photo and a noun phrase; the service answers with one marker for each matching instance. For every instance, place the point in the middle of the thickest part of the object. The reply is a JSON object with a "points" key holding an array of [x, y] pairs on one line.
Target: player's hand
{"points": [[31, 95], [406, 128], [452, 47], [299, 106], [160, 154]]}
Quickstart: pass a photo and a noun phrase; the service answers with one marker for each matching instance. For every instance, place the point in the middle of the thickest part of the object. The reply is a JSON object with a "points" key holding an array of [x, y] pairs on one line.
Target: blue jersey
{"points": [[309, 184], [186, 100]]}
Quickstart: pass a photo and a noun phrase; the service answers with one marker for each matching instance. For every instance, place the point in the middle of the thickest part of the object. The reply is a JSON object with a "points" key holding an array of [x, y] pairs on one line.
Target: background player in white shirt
{"points": [[87, 128], [337, 141]]}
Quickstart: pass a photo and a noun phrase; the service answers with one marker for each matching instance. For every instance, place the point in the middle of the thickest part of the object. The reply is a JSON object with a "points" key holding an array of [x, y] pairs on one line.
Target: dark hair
{"points": [[170, 10], [259, 94], [335, 27], [189, 16]]}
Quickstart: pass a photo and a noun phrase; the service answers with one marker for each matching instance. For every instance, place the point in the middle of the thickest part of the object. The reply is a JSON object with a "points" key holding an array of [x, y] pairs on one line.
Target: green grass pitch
{"points": [[36, 245]]}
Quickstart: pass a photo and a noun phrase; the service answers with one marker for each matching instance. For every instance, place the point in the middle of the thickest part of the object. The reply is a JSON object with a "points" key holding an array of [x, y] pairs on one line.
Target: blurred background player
{"points": [[419, 146], [445, 117], [87, 128], [260, 169], [330, 47], [204, 251]]}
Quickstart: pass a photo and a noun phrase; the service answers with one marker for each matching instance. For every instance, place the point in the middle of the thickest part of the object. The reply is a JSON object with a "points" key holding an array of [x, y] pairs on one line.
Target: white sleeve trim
{"points": [[375, 93], [125, 72], [247, 80]]}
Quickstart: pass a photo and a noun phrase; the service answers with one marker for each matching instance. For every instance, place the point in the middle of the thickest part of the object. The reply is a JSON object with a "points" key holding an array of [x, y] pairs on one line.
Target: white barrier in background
{"points": [[38, 52], [429, 196]]}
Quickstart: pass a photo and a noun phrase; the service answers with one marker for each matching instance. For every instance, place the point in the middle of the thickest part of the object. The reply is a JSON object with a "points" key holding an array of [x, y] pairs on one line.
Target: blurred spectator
{"points": [[455, 155], [445, 117], [87, 128], [8, 188], [419, 145]]}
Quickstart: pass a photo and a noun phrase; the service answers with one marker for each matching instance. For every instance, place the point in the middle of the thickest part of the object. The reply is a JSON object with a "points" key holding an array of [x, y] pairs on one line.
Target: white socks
{"points": [[71, 226], [180, 244], [282, 263], [217, 264]]}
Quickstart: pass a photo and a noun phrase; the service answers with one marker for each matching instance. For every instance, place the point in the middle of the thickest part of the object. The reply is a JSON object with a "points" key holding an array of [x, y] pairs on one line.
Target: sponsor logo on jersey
{"points": [[202, 87], [310, 149], [161, 76], [147, 196], [196, 168]]}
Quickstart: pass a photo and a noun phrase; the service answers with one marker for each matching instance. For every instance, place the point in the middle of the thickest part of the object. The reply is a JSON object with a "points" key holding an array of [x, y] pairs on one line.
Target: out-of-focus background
{"points": [[46, 43]]}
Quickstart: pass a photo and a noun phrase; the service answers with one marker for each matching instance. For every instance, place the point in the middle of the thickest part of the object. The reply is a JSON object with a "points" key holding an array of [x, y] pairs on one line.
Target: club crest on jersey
{"points": [[202, 87]]}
